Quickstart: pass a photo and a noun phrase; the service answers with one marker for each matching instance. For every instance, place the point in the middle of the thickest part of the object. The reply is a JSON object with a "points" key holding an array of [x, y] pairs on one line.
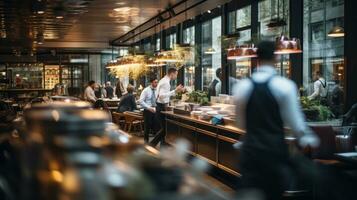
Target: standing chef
{"points": [[164, 93]]}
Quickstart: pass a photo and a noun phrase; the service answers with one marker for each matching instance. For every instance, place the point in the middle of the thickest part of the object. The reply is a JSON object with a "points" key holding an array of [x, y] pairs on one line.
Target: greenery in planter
{"points": [[200, 97], [314, 111]]}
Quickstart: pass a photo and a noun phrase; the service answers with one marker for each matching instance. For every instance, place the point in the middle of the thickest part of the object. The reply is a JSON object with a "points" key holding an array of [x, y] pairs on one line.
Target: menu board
{"points": [[52, 76]]}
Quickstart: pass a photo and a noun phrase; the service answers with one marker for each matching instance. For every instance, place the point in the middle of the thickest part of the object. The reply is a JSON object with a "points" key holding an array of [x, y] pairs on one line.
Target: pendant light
{"points": [[284, 45], [336, 32], [210, 50], [240, 52]]}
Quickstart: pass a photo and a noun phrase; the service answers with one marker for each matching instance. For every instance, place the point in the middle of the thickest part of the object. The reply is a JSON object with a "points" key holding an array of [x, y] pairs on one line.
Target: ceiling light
{"points": [[209, 11], [210, 51], [40, 12], [336, 31]]}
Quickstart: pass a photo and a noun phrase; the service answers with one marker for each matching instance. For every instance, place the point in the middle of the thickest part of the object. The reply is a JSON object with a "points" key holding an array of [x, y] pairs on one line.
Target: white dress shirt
{"points": [[320, 90], [163, 90], [146, 97], [285, 93], [89, 94]]}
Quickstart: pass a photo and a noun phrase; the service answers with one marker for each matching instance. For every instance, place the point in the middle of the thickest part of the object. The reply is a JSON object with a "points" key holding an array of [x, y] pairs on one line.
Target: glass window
{"points": [[211, 55], [323, 53], [189, 71], [157, 46], [189, 35], [270, 10], [243, 17], [171, 41]]}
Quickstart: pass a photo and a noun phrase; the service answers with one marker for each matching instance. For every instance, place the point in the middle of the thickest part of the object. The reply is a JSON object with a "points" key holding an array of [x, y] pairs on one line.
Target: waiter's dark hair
{"points": [[152, 79], [91, 82], [171, 70], [266, 50]]}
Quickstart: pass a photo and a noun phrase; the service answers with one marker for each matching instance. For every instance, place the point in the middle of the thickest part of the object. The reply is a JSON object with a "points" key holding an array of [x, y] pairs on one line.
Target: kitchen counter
{"points": [[212, 143]]}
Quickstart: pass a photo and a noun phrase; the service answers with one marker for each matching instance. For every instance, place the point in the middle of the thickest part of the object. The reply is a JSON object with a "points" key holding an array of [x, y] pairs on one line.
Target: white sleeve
{"points": [[218, 88], [316, 90], [164, 91], [142, 98], [241, 92]]}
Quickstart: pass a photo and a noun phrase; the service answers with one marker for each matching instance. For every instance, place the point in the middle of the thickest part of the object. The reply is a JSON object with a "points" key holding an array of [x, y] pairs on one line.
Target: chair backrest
{"points": [[130, 117], [116, 117], [327, 146]]}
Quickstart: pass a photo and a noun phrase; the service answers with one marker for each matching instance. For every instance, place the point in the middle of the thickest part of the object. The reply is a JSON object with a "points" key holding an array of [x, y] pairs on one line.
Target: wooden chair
{"points": [[119, 119], [133, 121]]}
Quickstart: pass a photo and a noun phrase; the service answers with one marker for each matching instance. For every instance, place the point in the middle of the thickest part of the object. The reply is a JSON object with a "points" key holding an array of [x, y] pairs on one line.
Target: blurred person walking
{"points": [[266, 103]]}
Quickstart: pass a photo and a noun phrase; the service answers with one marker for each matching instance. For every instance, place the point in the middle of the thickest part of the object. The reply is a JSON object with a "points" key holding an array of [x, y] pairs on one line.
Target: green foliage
{"points": [[314, 111], [200, 97]]}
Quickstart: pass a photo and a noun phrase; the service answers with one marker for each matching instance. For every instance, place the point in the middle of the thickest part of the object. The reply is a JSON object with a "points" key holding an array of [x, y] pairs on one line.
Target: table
{"points": [[348, 157]]}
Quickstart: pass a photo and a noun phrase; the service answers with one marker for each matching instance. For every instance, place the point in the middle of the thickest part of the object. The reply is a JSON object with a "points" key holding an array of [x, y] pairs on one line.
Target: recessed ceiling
{"points": [[70, 23]]}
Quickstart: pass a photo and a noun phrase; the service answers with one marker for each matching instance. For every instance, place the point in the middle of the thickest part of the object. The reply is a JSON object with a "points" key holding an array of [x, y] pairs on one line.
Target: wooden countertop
{"points": [[207, 123]]}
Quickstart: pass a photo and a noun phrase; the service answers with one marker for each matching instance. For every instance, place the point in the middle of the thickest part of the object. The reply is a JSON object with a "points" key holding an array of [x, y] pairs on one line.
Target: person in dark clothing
{"points": [[266, 103], [351, 116], [119, 89], [213, 90], [109, 90], [127, 102], [336, 99]]}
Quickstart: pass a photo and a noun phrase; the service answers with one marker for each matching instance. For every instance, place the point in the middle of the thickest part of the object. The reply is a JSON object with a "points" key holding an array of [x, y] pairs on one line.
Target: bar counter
{"points": [[212, 143]]}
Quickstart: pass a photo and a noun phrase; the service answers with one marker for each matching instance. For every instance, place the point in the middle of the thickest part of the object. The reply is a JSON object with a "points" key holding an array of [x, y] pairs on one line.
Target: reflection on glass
{"points": [[323, 53], [189, 35], [170, 41], [243, 17], [190, 77], [268, 10]]}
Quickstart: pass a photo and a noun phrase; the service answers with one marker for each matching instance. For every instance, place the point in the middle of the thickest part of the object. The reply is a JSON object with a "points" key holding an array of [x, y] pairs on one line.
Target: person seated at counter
{"points": [[265, 104], [127, 102], [148, 101], [89, 94], [109, 90]]}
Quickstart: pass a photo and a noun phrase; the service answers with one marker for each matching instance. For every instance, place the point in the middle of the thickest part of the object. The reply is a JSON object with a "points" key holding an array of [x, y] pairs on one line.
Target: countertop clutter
{"points": [[66, 150]]}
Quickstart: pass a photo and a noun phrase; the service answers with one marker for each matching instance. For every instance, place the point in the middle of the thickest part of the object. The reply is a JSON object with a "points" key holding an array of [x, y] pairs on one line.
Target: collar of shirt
{"points": [[263, 73]]}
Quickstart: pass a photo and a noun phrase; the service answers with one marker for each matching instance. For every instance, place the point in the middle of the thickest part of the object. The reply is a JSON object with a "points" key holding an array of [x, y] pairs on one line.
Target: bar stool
{"points": [[133, 122]]}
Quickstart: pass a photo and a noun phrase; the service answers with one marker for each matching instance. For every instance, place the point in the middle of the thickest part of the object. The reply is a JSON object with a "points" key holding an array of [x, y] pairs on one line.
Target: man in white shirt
{"points": [[266, 104], [89, 94], [148, 102], [164, 93], [320, 87]]}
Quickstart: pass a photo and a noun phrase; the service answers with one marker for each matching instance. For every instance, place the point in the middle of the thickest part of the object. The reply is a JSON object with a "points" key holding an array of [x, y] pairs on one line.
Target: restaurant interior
{"points": [[178, 99]]}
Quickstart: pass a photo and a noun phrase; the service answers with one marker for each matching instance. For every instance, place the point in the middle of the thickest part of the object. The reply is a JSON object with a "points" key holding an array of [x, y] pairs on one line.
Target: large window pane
{"points": [[243, 17], [323, 53], [189, 71], [211, 55]]}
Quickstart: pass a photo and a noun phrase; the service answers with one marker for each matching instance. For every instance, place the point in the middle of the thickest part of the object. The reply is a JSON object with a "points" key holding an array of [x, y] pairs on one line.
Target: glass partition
{"points": [[323, 50], [211, 56], [189, 70]]}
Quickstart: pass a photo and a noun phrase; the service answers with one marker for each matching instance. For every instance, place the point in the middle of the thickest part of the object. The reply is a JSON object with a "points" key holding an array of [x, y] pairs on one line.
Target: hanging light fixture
{"points": [[336, 31], [210, 50], [284, 45], [240, 52]]}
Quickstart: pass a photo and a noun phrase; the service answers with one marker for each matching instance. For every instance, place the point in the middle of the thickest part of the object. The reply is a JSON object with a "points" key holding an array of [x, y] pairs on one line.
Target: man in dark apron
{"points": [[265, 104]]}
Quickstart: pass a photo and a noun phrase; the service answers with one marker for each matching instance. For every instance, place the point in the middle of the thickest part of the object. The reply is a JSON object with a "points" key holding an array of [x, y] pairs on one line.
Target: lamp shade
{"points": [[337, 31], [240, 52], [284, 45], [210, 51]]}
